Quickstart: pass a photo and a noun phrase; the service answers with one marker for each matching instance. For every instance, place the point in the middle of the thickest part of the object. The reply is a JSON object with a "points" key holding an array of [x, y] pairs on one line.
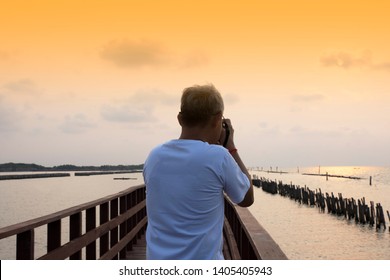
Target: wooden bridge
{"points": [[120, 232]]}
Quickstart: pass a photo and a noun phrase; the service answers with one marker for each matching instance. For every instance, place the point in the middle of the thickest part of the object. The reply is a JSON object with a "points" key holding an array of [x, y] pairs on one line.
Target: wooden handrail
{"points": [[252, 241], [131, 203], [122, 221]]}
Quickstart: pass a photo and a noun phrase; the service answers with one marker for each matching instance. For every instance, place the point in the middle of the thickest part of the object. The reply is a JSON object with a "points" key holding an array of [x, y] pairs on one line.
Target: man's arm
{"points": [[249, 198]]}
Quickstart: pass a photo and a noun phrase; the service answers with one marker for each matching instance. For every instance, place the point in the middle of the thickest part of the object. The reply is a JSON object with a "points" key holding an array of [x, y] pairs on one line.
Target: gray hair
{"points": [[199, 104]]}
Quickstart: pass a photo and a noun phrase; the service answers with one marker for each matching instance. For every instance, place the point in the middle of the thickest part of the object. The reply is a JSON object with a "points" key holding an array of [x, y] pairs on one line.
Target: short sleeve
{"points": [[236, 183]]}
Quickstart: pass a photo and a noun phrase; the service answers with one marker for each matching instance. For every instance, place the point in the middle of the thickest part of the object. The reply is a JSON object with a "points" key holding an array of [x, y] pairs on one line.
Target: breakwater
{"points": [[32, 176], [335, 176], [104, 172], [351, 208]]}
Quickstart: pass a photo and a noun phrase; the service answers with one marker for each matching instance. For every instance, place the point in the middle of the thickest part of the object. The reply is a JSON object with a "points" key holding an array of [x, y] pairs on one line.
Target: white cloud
{"points": [[153, 97], [127, 114], [76, 124], [139, 107]]}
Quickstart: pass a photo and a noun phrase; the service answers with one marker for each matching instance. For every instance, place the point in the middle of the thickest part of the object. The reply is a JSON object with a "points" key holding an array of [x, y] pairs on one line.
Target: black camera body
{"points": [[227, 133]]}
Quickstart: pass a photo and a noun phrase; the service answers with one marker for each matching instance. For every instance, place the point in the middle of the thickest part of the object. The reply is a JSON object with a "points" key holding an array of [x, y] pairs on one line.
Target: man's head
{"points": [[199, 105]]}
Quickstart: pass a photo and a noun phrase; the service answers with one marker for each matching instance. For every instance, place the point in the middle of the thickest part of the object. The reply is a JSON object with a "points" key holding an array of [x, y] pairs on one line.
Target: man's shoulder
{"points": [[218, 149], [189, 147]]}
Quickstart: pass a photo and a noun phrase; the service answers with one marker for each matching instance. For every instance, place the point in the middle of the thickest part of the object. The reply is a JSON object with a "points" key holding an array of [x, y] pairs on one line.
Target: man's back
{"points": [[185, 181]]}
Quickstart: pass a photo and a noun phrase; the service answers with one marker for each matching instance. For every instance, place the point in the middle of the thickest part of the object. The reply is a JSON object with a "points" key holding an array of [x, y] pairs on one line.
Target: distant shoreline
{"points": [[31, 167]]}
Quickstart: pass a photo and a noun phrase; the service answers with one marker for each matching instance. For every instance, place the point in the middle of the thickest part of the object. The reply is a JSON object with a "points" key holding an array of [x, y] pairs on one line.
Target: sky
{"points": [[305, 83]]}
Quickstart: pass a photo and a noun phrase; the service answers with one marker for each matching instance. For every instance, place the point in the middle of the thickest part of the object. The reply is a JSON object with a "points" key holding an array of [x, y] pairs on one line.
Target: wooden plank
{"points": [[139, 250], [123, 243], [231, 244]]}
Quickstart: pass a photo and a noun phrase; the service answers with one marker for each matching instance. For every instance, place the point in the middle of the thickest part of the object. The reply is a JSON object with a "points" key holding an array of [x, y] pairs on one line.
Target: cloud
{"points": [[127, 114], [346, 60], [307, 97], [139, 107], [145, 53], [152, 97], [194, 60], [9, 117], [4, 55], [22, 86], [134, 54], [383, 66], [76, 124], [301, 132]]}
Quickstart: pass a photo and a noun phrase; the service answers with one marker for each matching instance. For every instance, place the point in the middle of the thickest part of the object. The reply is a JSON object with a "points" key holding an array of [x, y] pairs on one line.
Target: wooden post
{"points": [[123, 226], [104, 208], [349, 211], [53, 235], [90, 224], [75, 232], [115, 231], [372, 218], [361, 211], [25, 245], [333, 204], [370, 180], [326, 176], [388, 215], [355, 210], [380, 216]]}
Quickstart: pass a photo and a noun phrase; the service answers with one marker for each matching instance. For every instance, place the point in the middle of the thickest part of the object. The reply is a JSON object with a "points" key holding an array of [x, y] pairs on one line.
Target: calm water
{"points": [[21, 200], [301, 231]]}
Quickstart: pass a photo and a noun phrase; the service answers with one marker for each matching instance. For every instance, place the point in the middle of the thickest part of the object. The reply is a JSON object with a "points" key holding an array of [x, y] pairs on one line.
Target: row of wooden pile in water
{"points": [[348, 207]]}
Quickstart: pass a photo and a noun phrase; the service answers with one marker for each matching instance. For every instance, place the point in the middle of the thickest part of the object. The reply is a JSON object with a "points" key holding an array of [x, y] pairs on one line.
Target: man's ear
{"points": [[179, 118]]}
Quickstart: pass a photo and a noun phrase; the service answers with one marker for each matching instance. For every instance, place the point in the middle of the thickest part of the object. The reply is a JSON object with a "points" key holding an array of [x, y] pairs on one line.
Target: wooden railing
{"points": [[122, 221], [246, 239]]}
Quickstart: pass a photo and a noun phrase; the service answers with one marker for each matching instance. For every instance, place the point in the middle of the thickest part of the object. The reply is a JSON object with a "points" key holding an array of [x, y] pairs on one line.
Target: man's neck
{"points": [[196, 133]]}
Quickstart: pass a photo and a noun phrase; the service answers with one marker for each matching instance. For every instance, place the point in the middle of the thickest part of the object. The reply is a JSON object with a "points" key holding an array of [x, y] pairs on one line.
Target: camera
{"points": [[227, 133]]}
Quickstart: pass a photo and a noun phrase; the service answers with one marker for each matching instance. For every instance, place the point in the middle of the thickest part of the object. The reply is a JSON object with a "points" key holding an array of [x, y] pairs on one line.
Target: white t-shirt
{"points": [[185, 181]]}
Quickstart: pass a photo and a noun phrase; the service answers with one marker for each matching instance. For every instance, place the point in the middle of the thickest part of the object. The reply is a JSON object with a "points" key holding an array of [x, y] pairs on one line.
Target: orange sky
{"points": [[99, 82]]}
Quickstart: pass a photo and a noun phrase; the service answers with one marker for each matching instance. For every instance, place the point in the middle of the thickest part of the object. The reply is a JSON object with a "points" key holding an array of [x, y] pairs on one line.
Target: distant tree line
{"points": [[28, 167]]}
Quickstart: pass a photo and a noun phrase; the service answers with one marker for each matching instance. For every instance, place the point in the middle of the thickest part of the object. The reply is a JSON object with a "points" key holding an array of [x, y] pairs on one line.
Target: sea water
{"points": [[302, 232]]}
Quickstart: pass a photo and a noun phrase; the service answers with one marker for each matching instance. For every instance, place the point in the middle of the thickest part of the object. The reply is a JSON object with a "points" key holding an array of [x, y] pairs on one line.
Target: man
{"points": [[186, 179]]}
